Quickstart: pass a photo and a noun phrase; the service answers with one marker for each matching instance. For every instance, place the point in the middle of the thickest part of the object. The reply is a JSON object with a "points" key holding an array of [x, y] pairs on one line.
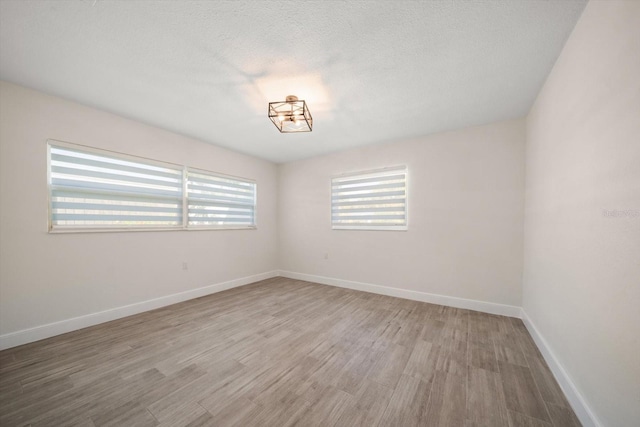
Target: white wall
{"points": [[582, 269], [466, 212], [48, 278]]}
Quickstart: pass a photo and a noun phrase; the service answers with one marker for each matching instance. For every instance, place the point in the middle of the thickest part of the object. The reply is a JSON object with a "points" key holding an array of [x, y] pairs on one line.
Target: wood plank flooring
{"points": [[283, 352]]}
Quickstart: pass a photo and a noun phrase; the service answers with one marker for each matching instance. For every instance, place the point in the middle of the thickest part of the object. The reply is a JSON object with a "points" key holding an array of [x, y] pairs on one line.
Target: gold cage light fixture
{"points": [[291, 115]]}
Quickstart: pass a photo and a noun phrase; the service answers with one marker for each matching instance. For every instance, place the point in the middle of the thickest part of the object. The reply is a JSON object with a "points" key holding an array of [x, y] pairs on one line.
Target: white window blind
{"points": [[98, 190], [375, 200], [219, 200], [92, 190]]}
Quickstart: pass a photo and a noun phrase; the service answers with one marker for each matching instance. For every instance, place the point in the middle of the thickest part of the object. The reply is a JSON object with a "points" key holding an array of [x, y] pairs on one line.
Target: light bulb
{"points": [[281, 117]]}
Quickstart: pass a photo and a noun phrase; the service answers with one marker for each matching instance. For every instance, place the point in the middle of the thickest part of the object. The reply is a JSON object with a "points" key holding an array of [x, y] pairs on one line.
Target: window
{"points": [[214, 200], [97, 190], [375, 200]]}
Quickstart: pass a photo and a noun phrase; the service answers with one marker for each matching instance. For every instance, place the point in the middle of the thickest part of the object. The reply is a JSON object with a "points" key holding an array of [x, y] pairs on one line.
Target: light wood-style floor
{"points": [[283, 352]]}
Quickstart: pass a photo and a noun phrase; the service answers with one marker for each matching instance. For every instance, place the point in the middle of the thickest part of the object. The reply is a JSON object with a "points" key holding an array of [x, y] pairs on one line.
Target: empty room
{"points": [[320, 213]]}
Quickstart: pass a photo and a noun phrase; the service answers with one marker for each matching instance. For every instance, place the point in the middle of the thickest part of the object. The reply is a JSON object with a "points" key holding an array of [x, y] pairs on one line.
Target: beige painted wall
{"points": [[46, 278], [582, 267], [466, 195]]}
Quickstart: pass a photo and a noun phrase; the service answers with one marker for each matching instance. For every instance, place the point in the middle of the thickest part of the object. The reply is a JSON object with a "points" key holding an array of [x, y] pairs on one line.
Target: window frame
{"points": [[184, 226], [370, 174]]}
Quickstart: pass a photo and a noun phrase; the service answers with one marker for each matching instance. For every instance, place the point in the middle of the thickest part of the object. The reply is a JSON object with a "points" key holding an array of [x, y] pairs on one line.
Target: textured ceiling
{"points": [[371, 71]]}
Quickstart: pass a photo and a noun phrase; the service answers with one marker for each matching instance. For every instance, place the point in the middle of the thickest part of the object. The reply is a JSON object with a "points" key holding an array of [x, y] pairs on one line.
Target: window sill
{"points": [[135, 230]]}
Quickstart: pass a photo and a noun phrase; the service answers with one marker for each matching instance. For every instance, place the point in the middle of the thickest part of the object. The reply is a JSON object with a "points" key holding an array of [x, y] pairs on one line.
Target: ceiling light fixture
{"points": [[291, 115]]}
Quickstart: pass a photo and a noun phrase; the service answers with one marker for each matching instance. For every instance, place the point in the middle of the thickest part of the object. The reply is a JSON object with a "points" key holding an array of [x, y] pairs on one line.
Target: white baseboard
{"points": [[469, 304], [580, 406], [25, 336]]}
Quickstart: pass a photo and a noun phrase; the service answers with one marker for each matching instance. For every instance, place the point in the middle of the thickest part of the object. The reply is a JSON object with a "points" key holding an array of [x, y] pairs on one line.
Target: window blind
{"points": [[370, 200], [97, 190], [216, 200]]}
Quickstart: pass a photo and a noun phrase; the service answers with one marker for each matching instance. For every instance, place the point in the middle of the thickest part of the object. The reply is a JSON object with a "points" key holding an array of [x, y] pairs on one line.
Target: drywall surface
{"points": [[465, 236], [47, 278], [582, 224]]}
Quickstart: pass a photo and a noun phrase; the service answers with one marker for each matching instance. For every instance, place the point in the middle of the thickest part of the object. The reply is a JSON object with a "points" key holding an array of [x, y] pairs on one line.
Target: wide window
{"points": [[98, 190], [373, 200]]}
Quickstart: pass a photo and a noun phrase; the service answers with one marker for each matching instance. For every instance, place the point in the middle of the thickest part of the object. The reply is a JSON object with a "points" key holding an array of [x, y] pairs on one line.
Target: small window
{"points": [[375, 200], [98, 190], [216, 200]]}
